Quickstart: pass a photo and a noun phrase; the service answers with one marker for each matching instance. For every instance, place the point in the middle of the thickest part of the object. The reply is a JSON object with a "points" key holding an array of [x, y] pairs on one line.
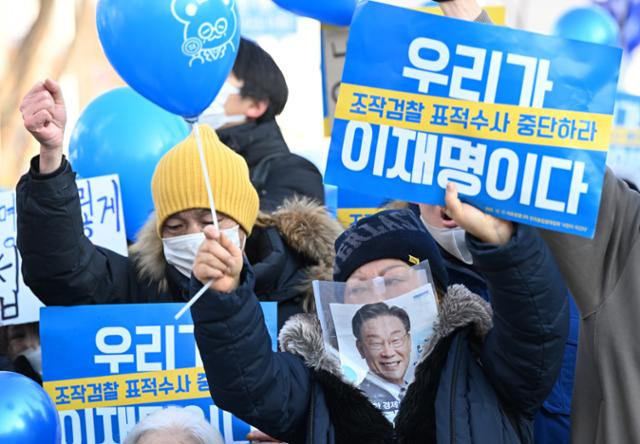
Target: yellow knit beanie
{"points": [[178, 182]]}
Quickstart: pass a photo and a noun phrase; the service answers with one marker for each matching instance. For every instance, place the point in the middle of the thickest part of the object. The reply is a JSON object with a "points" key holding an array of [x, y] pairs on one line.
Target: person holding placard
{"points": [[552, 423], [601, 274], [63, 267], [481, 375]]}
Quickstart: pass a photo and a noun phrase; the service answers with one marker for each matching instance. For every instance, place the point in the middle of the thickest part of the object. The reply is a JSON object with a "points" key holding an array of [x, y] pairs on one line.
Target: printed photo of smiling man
{"points": [[383, 340]]}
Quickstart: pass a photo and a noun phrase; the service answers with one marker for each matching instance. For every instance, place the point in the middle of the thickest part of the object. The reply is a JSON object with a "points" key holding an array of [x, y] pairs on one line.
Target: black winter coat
{"points": [[481, 379], [62, 267], [276, 173]]}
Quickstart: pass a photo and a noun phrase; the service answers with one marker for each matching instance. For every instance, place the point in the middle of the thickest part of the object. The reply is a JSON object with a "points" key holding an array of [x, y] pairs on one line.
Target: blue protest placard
{"points": [[108, 366], [519, 121], [353, 206], [624, 152], [333, 41], [331, 200]]}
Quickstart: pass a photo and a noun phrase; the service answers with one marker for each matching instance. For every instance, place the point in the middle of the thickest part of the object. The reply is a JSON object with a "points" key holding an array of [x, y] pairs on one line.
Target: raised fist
{"points": [[45, 116]]}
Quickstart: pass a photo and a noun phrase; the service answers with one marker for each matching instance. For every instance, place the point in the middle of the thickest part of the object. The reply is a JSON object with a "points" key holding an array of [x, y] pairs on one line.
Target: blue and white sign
{"points": [[353, 205], [519, 121], [108, 366], [103, 221]]}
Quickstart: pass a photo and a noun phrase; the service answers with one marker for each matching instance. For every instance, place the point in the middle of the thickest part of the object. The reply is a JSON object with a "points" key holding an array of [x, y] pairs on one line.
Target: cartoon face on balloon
{"points": [[206, 37]]}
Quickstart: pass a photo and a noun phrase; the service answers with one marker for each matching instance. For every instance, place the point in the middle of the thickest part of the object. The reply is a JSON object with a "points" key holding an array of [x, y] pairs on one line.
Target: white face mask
{"points": [[181, 251], [215, 116], [233, 234], [452, 240]]}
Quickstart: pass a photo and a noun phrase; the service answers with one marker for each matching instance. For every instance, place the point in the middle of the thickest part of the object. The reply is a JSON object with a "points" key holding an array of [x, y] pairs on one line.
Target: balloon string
{"points": [[205, 172], [207, 182], [193, 300]]}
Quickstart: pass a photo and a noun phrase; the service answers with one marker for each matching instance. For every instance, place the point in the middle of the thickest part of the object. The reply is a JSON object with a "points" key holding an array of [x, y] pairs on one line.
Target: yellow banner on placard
{"points": [[336, 37], [128, 389], [347, 216], [506, 123]]}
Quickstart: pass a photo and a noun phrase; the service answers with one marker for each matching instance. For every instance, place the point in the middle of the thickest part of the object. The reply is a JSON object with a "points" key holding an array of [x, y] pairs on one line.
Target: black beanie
{"points": [[391, 234]]}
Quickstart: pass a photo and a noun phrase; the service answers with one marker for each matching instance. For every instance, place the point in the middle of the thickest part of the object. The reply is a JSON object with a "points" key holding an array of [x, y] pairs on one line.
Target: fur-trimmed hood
{"points": [[302, 335], [308, 229], [304, 226]]}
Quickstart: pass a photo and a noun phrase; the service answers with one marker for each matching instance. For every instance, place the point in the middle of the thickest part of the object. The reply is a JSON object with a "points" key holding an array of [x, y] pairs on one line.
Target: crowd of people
{"points": [[499, 366]]}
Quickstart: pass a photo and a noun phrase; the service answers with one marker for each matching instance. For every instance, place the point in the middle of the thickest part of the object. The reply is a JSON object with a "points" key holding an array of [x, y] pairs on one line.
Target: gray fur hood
{"points": [[301, 335], [305, 227]]}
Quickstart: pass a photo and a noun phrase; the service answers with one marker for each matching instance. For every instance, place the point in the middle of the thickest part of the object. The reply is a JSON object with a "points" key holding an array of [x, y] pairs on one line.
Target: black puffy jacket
{"points": [[62, 267], [276, 173], [481, 378]]}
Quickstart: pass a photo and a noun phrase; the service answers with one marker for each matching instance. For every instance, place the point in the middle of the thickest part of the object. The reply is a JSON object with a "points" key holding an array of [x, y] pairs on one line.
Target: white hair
{"points": [[177, 422]]}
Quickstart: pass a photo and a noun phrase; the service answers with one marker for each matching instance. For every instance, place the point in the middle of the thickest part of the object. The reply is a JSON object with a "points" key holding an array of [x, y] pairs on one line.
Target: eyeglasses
{"points": [[395, 343]]}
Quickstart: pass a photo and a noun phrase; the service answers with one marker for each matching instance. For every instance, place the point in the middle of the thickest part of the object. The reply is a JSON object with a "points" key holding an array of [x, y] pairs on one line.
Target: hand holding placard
{"points": [[485, 227], [462, 9]]}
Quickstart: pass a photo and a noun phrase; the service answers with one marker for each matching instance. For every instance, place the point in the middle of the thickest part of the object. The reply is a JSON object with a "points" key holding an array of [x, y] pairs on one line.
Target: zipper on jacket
{"points": [[454, 380], [311, 414]]}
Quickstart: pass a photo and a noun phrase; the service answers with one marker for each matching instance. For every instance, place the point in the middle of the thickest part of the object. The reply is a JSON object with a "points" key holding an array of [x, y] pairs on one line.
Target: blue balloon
{"points": [[27, 414], [176, 54], [619, 9], [590, 24], [334, 12], [632, 28], [121, 132]]}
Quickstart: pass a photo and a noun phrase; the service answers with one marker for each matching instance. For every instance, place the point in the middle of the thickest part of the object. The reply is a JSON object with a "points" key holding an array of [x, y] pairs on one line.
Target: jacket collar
{"points": [[302, 335], [178, 284], [254, 141], [305, 227]]}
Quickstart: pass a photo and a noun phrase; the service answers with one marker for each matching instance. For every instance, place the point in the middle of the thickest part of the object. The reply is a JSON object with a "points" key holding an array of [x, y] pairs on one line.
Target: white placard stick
{"points": [[212, 205]]}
